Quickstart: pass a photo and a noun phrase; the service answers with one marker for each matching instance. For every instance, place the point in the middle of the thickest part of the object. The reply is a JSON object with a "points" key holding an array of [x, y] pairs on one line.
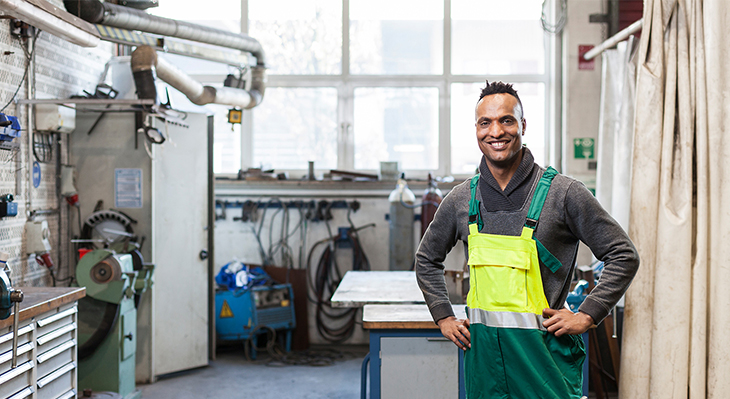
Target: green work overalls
{"points": [[512, 355]]}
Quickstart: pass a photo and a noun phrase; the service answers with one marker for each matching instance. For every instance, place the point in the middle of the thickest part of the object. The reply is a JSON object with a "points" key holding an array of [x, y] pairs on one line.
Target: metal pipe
{"points": [[30, 108], [37, 212], [146, 64], [613, 40], [129, 18]]}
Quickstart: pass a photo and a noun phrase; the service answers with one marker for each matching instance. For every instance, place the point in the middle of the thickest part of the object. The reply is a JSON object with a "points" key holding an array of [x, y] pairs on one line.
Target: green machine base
{"points": [[112, 365]]}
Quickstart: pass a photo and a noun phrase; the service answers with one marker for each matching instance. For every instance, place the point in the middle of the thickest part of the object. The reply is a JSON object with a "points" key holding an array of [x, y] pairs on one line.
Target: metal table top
{"points": [[359, 288]]}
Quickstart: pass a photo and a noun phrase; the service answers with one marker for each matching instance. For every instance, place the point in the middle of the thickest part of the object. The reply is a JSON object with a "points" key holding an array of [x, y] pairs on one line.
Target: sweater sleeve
{"points": [[437, 242], [609, 243]]}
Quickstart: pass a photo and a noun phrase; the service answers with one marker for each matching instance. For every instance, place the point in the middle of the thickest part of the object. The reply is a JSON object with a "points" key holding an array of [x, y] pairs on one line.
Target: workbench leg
{"points": [[374, 365], [364, 377]]}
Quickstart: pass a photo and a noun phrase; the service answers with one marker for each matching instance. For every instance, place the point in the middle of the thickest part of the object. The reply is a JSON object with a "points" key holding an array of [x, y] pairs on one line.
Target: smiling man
{"points": [[521, 224]]}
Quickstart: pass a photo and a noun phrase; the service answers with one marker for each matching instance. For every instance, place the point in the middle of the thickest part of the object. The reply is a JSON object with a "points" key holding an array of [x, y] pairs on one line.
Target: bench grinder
{"points": [[108, 321]]}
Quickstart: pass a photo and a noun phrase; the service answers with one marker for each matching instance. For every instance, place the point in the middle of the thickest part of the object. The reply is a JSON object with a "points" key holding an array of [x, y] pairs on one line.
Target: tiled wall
{"points": [[61, 70]]}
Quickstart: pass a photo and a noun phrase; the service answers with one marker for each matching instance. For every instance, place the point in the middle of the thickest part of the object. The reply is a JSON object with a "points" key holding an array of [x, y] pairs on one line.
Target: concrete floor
{"points": [[232, 376]]}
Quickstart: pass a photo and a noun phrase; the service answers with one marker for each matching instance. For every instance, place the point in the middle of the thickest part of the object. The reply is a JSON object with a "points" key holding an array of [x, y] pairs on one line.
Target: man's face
{"points": [[499, 129]]}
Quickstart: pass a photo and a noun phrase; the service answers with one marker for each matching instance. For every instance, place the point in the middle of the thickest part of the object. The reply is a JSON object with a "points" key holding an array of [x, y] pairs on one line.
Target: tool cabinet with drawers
{"points": [[46, 365]]}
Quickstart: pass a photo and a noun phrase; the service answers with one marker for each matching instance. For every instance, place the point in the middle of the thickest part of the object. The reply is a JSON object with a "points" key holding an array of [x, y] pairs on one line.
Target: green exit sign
{"points": [[584, 148]]}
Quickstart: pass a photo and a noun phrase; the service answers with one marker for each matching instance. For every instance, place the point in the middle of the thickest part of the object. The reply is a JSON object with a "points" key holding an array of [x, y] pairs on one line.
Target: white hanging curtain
{"points": [[616, 130], [677, 310]]}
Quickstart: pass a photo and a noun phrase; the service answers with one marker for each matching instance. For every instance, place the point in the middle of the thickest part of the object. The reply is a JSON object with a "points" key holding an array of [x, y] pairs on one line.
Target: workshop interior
{"points": [[224, 198]]}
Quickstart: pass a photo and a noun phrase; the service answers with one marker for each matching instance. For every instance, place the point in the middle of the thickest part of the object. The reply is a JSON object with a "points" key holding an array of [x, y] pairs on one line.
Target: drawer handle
{"points": [[55, 351], [57, 316], [437, 339], [55, 375], [5, 377], [23, 394], [21, 331], [56, 333], [7, 356], [68, 395]]}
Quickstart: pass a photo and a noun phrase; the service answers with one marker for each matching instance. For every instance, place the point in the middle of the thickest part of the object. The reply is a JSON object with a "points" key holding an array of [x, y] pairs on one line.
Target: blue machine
{"points": [[9, 127], [245, 313]]}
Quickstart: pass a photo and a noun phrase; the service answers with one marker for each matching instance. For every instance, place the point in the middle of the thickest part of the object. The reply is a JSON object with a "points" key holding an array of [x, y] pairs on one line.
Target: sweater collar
{"points": [[521, 174]]}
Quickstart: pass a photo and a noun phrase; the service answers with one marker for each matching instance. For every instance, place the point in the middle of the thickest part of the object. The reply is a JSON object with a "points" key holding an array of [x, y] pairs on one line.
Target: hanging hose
{"points": [[333, 324]]}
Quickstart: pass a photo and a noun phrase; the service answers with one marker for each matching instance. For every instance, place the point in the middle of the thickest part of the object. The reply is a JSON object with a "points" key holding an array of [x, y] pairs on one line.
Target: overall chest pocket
{"points": [[498, 273]]}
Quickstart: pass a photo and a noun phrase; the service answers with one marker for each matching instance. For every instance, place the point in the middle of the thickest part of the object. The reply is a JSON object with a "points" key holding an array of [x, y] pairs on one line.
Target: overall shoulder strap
{"points": [[533, 215], [475, 213], [538, 199]]}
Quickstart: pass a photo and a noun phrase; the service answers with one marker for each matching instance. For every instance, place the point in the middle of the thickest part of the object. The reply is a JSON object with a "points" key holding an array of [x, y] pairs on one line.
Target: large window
{"points": [[352, 83], [396, 124], [403, 37], [294, 126]]}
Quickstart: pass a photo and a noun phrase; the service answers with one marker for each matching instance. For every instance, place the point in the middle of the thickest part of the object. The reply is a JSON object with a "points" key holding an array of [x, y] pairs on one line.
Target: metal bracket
{"points": [[598, 18]]}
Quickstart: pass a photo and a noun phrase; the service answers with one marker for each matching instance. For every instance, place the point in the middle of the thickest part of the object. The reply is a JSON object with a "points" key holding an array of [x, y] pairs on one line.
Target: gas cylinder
{"points": [[402, 241], [431, 200]]}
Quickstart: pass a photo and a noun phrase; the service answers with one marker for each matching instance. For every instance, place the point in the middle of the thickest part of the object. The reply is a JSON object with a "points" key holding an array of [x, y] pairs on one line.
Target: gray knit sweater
{"points": [[570, 214]]}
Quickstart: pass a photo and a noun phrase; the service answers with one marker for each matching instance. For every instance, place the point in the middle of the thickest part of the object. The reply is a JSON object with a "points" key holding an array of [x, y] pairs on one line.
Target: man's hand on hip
{"points": [[456, 330], [564, 321]]}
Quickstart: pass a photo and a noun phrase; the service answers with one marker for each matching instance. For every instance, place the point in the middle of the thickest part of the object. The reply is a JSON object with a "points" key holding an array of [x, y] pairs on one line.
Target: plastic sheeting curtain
{"points": [[677, 319], [616, 130]]}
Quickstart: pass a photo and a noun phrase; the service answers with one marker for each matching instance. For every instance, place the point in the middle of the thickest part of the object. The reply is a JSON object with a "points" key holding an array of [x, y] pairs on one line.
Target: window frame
{"points": [[346, 83]]}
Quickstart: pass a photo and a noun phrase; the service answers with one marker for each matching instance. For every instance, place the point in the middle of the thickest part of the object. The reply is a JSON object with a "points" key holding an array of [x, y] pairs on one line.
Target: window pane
{"points": [[295, 125], [189, 10], [221, 14], [195, 66], [299, 37], [497, 37], [465, 153], [396, 37], [396, 124]]}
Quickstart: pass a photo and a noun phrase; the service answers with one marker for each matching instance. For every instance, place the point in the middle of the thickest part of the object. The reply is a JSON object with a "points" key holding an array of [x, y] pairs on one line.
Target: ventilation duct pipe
{"points": [[117, 16], [146, 64]]}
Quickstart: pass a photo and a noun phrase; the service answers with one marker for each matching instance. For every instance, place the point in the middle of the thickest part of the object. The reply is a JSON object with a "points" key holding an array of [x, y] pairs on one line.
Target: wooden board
{"points": [[359, 288], [37, 300], [403, 316]]}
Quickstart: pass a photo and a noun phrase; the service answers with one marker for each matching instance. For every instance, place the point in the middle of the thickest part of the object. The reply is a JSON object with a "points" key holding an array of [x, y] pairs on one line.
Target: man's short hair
{"points": [[501, 88]]}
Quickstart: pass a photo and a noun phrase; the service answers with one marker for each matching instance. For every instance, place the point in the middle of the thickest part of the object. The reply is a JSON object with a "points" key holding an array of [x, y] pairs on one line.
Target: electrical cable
{"points": [[333, 324], [42, 147], [278, 357], [27, 68], [70, 279]]}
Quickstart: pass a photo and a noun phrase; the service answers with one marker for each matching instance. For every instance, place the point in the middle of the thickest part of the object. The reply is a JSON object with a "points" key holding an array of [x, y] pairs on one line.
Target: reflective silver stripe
{"points": [[506, 319]]}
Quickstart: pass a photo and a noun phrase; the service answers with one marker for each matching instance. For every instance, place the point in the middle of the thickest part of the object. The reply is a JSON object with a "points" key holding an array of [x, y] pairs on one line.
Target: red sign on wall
{"points": [[582, 63]]}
